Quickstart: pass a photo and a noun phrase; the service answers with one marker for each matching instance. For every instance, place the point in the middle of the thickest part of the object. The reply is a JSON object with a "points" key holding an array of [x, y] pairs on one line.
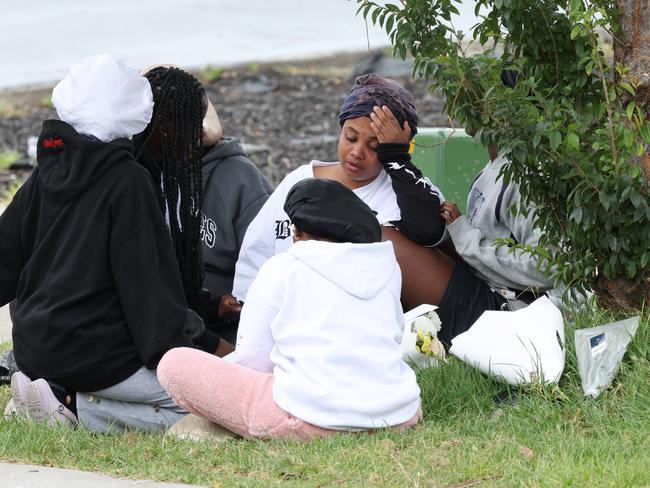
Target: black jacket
{"points": [[86, 254]]}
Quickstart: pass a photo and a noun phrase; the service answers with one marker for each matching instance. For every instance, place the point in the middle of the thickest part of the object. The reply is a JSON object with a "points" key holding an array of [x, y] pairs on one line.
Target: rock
{"points": [[195, 428], [22, 164], [257, 85], [382, 64]]}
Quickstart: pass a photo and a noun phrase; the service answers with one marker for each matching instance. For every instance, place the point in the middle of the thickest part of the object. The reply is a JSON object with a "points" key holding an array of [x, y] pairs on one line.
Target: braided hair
{"points": [[178, 120]]}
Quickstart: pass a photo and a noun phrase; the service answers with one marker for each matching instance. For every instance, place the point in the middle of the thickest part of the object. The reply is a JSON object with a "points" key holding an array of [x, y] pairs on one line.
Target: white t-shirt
{"points": [[326, 319], [270, 231]]}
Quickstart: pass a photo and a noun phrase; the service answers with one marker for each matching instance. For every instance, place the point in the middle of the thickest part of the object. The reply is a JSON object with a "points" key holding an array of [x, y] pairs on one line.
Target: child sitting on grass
{"points": [[318, 347]]}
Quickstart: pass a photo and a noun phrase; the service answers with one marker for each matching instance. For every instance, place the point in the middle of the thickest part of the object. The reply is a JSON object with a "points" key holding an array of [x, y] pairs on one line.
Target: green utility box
{"points": [[450, 159]]}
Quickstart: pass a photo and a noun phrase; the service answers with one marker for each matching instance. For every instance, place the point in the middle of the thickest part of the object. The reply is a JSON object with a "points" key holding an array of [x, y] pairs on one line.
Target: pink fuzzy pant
{"points": [[233, 396]]}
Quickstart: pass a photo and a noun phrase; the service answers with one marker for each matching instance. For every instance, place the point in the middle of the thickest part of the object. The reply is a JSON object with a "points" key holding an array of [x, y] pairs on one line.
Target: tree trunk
{"points": [[622, 293], [632, 49]]}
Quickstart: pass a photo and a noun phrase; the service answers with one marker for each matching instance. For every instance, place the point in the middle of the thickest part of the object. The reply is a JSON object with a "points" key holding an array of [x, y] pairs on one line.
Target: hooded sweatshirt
{"points": [[490, 216], [86, 255], [234, 190], [326, 319]]}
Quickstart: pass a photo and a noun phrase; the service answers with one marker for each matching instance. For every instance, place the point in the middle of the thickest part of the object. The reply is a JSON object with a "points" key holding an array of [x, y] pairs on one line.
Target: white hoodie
{"points": [[326, 319]]}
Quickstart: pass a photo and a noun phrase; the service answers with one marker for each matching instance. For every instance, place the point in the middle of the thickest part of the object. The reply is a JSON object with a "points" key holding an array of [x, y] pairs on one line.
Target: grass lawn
{"points": [[476, 432]]}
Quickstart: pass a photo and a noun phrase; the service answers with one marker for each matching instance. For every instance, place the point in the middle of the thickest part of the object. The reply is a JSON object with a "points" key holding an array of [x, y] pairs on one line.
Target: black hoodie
{"points": [[234, 190], [86, 254]]}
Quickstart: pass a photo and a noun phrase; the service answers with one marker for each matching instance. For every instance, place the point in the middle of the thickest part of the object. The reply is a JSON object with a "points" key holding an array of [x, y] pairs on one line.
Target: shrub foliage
{"points": [[572, 126]]}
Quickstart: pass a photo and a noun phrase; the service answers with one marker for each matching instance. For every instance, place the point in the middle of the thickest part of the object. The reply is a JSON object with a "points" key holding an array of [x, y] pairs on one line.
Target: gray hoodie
{"points": [[234, 190], [489, 217]]}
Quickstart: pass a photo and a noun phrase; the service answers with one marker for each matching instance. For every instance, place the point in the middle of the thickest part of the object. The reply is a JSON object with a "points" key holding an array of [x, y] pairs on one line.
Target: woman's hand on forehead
{"points": [[387, 128]]}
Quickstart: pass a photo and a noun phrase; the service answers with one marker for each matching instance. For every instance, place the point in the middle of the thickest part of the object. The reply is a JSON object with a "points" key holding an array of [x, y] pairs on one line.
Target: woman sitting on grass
{"points": [[378, 119], [213, 185], [318, 348], [87, 259]]}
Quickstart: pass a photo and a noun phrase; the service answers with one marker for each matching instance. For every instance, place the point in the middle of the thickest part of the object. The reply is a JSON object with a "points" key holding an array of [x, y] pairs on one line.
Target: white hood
{"points": [[362, 270]]}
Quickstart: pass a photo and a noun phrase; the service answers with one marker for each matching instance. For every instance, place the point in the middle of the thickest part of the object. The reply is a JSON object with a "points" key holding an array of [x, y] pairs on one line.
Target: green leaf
{"points": [[631, 269], [628, 138], [389, 24], [575, 32], [392, 7], [576, 215], [630, 109], [375, 13], [628, 88], [572, 140], [604, 200], [636, 199], [576, 6], [555, 138], [645, 133]]}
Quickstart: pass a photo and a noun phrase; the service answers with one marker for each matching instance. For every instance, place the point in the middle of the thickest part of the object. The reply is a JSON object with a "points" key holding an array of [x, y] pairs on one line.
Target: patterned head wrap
{"points": [[374, 90]]}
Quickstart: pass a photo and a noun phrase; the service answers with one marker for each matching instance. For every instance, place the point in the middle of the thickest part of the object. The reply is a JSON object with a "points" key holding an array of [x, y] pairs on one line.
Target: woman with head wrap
{"points": [[377, 119], [86, 257], [318, 349]]}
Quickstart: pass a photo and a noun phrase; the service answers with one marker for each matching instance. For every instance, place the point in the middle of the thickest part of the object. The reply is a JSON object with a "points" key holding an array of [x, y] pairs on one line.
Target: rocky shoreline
{"points": [[283, 113]]}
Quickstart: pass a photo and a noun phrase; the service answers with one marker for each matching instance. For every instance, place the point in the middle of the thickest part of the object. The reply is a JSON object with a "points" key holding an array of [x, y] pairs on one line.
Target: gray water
{"points": [[41, 39]]}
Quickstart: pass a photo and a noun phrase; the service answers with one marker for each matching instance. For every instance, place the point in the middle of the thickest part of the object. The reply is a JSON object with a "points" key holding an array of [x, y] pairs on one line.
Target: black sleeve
{"points": [[151, 294], [201, 336], [418, 201], [210, 306], [145, 271]]}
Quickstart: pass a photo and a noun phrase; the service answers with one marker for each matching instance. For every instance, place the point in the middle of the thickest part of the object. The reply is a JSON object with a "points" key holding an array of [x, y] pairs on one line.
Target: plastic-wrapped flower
{"points": [[426, 328]]}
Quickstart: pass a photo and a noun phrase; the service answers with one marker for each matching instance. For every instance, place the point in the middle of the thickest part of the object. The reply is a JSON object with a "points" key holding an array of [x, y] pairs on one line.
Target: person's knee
{"points": [[172, 368], [425, 271]]}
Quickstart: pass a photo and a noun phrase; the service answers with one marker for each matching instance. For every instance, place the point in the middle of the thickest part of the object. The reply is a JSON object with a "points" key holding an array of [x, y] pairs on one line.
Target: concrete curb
{"points": [[29, 476], [5, 324]]}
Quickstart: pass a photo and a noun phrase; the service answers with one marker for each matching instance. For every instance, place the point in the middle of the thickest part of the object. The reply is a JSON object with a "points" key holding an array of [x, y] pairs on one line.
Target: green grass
{"points": [[46, 102], [212, 73], [8, 157], [9, 110], [473, 434]]}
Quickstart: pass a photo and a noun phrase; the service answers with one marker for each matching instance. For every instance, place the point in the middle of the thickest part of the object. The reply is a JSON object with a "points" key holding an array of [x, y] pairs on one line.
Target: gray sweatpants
{"points": [[138, 402]]}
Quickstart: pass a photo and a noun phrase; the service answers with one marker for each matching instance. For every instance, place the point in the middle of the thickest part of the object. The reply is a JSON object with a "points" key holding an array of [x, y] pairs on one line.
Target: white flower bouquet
{"points": [[420, 343]]}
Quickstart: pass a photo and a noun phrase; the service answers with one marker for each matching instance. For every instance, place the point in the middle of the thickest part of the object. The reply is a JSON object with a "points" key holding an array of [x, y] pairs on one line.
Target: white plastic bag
{"points": [[523, 346], [600, 351]]}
